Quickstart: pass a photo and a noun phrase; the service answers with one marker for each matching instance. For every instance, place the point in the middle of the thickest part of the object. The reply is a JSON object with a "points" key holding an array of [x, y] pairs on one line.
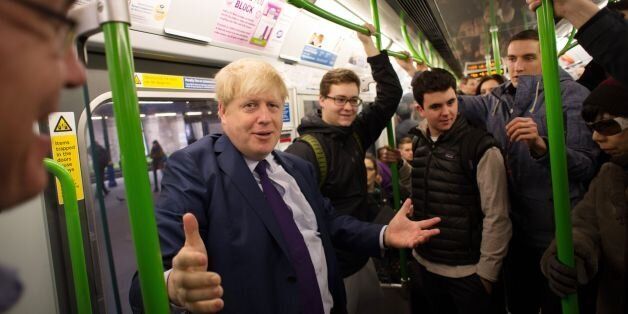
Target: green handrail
{"points": [[75, 235], [487, 48], [406, 37], [569, 45], [391, 142], [494, 29], [558, 159], [138, 193], [302, 4], [421, 46], [402, 56]]}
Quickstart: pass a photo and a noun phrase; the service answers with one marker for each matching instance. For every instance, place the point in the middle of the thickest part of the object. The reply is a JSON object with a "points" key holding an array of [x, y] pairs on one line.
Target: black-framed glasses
{"points": [[342, 100], [64, 31], [608, 127]]}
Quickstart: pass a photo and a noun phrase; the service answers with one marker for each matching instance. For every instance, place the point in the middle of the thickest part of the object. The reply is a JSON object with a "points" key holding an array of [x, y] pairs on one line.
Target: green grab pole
{"points": [[406, 38], [75, 235], [568, 45], [375, 15], [558, 159], [487, 48], [391, 142], [494, 29], [126, 110], [571, 46], [420, 44], [402, 56], [305, 5]]}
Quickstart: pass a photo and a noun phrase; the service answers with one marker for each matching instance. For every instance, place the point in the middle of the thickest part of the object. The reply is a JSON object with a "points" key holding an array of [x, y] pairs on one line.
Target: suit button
{"points": [[291, 278]]}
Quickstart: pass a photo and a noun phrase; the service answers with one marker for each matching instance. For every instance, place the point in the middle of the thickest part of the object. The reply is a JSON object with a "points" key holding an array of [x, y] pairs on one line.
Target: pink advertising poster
{"points": [[255, 24]]}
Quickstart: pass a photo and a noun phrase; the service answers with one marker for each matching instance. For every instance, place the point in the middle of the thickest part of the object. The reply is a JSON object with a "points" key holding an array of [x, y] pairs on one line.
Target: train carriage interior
{"points": [[178, 47]]}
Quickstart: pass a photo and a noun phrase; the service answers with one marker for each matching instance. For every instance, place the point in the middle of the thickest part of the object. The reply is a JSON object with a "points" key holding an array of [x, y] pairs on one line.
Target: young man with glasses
{"points": [[599, 220], [340, 138], [37, 63]]}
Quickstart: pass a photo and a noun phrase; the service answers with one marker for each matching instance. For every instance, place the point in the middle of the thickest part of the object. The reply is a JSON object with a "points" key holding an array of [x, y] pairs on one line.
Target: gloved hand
{"points": [[563, 280]]}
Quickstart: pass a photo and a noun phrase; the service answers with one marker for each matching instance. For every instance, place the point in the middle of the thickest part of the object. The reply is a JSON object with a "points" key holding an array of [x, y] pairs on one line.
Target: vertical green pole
{"points": [[495, 38], [558, 158], [487, 50], [391, 142], [75, 236], [406, 37], [568, 44], [126, 110]]}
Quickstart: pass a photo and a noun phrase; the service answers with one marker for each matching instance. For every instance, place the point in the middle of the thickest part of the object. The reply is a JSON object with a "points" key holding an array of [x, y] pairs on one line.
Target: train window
{"points": [[310, 106], [170, 121]]}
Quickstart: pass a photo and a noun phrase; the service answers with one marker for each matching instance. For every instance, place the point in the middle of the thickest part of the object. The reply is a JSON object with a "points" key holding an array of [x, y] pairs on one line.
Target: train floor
{"points": [[124, 255]]}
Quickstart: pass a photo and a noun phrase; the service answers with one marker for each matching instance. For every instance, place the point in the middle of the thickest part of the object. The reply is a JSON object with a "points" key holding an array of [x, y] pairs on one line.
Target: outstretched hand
{"points": [[190, 284], [405, 233]]}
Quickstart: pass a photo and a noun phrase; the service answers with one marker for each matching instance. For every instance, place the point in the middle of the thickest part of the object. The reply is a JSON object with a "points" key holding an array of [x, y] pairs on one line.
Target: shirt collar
{"points": [[272, 164]]}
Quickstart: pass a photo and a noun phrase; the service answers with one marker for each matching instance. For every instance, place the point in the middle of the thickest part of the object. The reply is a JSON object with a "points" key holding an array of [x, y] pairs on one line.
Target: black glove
{"points": [[563, 280]]}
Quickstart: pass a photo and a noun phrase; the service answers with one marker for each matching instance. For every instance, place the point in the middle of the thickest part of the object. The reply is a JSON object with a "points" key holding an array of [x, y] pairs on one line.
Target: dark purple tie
{"points": [[309, 293]]}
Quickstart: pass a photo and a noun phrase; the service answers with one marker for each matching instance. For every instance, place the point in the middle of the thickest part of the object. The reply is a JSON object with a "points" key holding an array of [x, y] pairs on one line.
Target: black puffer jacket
{"points": [[444, 185], [345, 184]]}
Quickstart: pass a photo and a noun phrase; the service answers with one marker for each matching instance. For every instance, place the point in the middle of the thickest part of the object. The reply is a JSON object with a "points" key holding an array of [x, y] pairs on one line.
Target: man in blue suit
{"points": [[244, 228]]}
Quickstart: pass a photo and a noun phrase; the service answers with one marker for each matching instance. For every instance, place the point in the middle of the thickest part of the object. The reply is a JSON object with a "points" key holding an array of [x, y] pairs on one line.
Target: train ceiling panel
{"points": [[459, 30]]}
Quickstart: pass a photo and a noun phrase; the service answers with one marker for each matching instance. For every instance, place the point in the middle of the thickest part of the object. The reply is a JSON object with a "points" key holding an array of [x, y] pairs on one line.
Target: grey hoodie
{"points": [[529, 176]]}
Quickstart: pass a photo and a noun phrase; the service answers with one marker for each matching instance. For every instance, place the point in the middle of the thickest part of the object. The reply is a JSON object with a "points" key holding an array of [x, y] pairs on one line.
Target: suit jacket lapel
{"points": [[234, 167]]}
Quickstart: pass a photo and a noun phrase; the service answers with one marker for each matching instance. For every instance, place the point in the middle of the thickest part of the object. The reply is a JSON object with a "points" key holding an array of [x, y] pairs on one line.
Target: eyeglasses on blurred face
{"points": [[64, 26]]}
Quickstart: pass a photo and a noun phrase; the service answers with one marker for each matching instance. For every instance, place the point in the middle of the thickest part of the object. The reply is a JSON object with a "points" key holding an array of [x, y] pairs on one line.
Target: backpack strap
{"points": [[321, 159], [356, 137]]}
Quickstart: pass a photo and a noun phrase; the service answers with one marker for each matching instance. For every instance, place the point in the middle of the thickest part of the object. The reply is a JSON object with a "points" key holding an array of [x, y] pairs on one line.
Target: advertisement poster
{"points": [[149, 13], [322, 45], [255, 24]]}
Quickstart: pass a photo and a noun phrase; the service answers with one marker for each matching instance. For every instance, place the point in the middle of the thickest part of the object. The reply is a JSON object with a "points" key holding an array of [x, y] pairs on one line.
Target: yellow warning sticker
{"points": [[65, 149], [149, 80], [62, 125]]}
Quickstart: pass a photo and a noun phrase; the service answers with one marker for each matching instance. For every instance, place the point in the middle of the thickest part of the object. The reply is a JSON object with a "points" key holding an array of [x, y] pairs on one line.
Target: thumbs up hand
{"points": [[190, 284]]}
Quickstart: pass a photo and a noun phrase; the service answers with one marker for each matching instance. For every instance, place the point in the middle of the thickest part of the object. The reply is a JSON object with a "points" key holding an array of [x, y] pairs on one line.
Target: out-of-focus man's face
{"points": [[524, 58], [371, 172], [406, 151], [36, 64], [488, 86], [253, 123], [469, 87]]}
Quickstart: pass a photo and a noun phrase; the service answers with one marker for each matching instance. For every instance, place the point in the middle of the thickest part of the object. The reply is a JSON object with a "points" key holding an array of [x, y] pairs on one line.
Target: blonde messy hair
{"points": [[248, 77]]}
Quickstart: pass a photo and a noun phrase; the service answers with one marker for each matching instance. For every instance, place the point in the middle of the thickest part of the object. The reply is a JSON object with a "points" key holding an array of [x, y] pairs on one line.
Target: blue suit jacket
{"points": [[244, 244]]}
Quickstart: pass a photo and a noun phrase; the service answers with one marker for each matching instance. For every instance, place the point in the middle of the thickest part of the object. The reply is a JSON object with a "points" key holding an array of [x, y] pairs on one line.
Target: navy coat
{"points": [[245, 247]]}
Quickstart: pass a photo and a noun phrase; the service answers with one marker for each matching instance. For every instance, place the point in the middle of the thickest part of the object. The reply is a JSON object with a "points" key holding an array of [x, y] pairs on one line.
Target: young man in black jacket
{"points": [[458, 174], [338, 136]]}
